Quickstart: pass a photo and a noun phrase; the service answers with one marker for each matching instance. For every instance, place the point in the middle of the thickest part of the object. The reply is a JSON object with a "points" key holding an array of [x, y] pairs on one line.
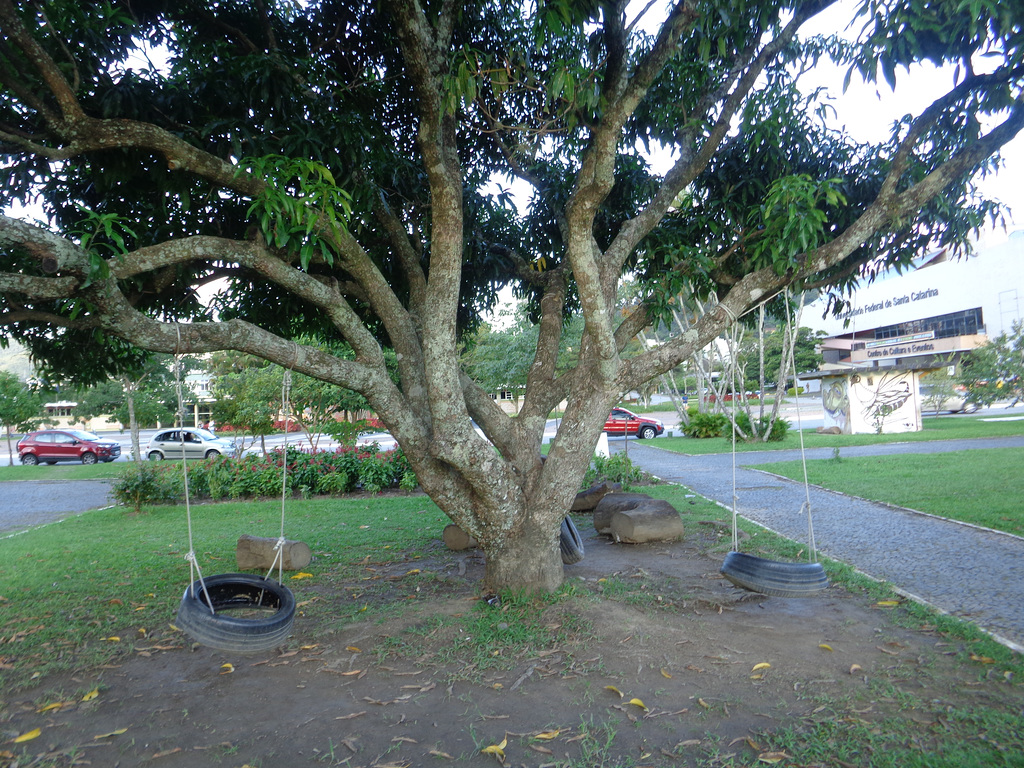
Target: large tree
{"points": [[343, 166]]}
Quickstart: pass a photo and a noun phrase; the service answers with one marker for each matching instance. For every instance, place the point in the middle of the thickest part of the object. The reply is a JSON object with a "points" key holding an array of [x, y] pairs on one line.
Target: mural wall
{"points": [[872, 402]]}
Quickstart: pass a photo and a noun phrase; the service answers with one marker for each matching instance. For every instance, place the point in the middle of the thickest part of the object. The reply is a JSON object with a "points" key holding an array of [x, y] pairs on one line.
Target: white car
{"points": [[383, 440], [198, 444]]}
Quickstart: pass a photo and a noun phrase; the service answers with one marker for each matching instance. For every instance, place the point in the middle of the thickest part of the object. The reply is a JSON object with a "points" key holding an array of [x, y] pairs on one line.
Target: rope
{"points": [[286, 384], [812, 553], [193, 562]]}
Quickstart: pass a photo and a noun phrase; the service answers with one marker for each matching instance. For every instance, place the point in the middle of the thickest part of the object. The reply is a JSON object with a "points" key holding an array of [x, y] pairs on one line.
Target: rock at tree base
{"points": [[588, 499], [653, 520], [257, 552], [612, 503], [456, 538]]}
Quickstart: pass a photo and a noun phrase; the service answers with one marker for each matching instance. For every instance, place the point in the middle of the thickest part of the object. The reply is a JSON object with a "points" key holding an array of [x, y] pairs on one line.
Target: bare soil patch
{"points": [[654, 623]]}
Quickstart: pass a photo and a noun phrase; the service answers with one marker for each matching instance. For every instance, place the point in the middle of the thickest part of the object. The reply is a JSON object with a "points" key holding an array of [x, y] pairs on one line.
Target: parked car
{"points": [[383, 440], [952, 402], [52, 445], [198, 444], [623, 422]]}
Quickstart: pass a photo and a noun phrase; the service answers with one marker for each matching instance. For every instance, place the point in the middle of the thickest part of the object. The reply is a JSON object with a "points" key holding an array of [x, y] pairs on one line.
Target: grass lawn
{"points": [[935, 428], [983, 487]]}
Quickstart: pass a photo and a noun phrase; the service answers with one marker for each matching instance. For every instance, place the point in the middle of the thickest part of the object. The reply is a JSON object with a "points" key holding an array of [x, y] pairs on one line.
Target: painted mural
{"points": [[884, 401], [836, 401]]}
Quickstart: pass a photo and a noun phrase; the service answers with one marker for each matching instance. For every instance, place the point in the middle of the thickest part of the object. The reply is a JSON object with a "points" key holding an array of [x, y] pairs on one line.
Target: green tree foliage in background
{"points": [[20, 407], [342, 171], [995, 371]]}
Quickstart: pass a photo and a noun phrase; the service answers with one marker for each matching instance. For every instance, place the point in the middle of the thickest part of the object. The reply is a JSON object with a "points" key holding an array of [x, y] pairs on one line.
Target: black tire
{"points": [[50, 462], [210, 454], [237, 591], [88, 458], [570, 543], [29, 459], [771, 577], [156, 456], [647, 433]]}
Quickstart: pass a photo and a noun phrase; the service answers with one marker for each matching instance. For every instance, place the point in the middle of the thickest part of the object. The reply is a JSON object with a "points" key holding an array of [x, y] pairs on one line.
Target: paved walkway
{"points": [[968, 572], [28, 503]]}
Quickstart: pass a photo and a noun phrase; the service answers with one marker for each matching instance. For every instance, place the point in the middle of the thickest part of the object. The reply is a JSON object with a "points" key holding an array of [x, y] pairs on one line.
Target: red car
{"points": [[623, 422], [52, 445]]}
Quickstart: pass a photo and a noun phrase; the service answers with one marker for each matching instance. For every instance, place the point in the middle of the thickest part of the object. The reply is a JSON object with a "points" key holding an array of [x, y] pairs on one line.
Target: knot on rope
{"points": [[191, 557], [280, 544]]}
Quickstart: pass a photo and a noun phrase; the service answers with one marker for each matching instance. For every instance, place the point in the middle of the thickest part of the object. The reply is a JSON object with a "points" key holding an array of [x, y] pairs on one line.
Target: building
{"points": [[929, 314]]}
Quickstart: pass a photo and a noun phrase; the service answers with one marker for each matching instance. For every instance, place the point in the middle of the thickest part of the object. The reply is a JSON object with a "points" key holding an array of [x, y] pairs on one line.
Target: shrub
{"points": [[743, 424], [613, 469], [703, 425], [146, 483], [375, 473]]}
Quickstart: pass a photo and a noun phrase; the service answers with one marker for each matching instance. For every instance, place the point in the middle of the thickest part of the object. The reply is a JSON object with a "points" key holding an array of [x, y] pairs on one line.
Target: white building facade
{"points": [[941, 308]]}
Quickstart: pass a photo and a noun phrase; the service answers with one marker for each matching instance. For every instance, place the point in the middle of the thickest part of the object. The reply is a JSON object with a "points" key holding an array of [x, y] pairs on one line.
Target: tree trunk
{"points": [[133, 427], [10, 450], [528, 559]]}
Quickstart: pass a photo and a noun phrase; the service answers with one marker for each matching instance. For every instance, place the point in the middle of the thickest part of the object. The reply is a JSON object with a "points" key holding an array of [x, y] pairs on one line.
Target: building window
{"points": [[969, 322]]}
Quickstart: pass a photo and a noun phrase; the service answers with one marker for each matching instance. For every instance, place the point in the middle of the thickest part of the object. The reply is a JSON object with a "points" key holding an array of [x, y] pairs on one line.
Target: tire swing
{"points": [[569, 542], [238, 612], [773, 577]]}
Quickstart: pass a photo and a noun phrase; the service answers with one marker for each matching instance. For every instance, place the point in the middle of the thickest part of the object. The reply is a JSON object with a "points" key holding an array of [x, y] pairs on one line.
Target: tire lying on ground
{"points": [[570, 543], [771, 577], [264, 612]]}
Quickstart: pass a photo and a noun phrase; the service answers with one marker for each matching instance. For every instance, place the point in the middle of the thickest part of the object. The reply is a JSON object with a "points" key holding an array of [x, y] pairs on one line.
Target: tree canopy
{"points": [[344, 171]]}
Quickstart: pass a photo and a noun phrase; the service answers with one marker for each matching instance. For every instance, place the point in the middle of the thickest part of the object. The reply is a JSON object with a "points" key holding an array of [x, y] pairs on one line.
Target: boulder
{"points": [[588, 499], [652, 520], [256, 552], [612, 503], [456, 538]]}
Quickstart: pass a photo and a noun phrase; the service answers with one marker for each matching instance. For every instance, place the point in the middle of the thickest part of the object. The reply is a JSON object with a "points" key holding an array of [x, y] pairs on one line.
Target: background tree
{"points": [[340, 165], [20, 407], [995, 371]]}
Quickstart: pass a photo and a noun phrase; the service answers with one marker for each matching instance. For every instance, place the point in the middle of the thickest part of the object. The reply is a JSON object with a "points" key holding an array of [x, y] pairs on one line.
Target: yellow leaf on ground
{"points": [[613, 689], [302, 575], [414, 570], [113, 639], [118, 732], [703, 703], [548, 735], [855, 668], [665, 674], [825, 646], [352, 648], [51, 707], [28, 736], [638, 703], [762, 665], [91, 694], [228, 668], [772, 757], [498, 750], [887, 603], [439, 753], [982, 659]]}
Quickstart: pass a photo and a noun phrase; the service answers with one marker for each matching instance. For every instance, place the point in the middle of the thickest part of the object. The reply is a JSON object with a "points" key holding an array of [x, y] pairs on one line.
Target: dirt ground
{"points": [[671, 672]]}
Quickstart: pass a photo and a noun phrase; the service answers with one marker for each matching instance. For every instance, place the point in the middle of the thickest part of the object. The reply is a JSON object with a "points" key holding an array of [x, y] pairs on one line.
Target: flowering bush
{"points": [[322, 472]]}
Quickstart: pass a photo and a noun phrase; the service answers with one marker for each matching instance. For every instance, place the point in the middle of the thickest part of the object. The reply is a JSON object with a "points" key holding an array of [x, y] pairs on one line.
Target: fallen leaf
{"points": [[302, 575], [762, 665], [351, 716], [353, 672], [825, 646], [438, 753], [772, 757], [613, 689], [118, 732], [887, 603], [665, 674], [689, 743], [548, 735], [854, 668], [352, 648], [404, 739], [498, 750], [228, 668], [982, 659], [167, 752], [91, 694], [51, 707], [113, 639], [414, 570], [542, 750], [703, 703], [638, 703], [28, 736]]}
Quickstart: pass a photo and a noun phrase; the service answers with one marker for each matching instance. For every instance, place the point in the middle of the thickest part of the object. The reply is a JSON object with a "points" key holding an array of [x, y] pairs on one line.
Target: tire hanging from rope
{"points": [[758, 574], [236, 611]]}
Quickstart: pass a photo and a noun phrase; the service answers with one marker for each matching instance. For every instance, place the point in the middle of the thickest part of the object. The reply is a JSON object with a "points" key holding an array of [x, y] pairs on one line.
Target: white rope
{"points": [[812, 553], [286, 384], [193, 561]]}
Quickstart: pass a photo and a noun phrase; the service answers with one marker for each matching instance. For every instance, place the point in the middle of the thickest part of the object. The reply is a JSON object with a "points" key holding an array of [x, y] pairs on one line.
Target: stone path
{"points": [[27, 503], [966, 571]]}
